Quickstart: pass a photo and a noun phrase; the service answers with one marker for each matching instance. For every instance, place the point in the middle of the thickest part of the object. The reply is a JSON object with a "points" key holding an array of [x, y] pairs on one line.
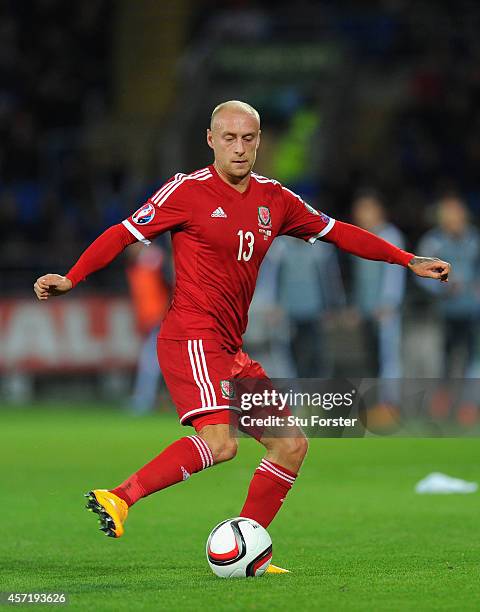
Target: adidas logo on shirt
{"points": [[219, 212]]}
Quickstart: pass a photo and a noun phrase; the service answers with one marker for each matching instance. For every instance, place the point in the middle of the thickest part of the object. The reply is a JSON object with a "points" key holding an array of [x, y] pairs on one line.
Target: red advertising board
{"points": [[67, 334]]}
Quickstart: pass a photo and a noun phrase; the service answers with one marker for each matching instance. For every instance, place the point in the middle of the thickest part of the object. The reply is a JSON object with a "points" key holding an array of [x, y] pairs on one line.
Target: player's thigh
{"points": [[268, 424], [246, 367]]}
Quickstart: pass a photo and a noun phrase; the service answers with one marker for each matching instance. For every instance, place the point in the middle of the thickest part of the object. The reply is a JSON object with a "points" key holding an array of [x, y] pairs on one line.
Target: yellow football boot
{"points": [[111, 509], [274, 569]]}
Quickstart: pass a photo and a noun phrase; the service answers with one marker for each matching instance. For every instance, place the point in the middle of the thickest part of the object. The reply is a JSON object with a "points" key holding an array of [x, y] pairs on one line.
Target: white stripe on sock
{"points": [[266, 465], [278, 470], [200, 450], [207, 450]]}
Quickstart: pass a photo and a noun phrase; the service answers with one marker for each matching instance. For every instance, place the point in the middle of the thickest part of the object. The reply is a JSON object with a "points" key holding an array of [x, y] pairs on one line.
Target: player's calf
{"points": [[288, 452], [174, 464], [274, 477]]}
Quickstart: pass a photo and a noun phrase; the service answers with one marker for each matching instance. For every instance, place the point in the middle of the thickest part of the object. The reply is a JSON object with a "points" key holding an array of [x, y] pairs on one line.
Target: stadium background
{"points": [[102, 101], [110, 99]]}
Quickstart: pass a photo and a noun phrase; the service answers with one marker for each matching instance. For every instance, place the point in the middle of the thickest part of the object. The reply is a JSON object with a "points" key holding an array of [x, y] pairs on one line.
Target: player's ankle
{"points": [[119, 492]]}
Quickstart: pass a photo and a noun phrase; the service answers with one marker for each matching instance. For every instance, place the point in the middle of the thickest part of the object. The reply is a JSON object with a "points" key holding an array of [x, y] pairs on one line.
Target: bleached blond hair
{"points": [[235, 105]]}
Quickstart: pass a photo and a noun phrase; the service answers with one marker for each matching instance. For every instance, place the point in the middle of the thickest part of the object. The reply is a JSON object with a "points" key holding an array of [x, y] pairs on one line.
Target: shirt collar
{"points": [[228, 189]]}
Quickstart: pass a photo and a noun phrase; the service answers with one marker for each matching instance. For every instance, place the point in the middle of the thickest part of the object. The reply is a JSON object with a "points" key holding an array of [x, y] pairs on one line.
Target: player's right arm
{"points": [[165, 210], [98, 255]]}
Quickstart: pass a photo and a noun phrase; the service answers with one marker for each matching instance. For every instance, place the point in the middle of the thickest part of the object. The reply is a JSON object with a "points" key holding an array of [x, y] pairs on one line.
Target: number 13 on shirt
{"points": [[249, 239]]}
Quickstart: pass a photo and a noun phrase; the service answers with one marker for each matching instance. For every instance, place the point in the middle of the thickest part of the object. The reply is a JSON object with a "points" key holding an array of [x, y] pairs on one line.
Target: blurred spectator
{"points": [[310, 289], [379, 290], [386, 105], [47, 85], [268, 332], [455, 239], [150, 298], [294, 161]]}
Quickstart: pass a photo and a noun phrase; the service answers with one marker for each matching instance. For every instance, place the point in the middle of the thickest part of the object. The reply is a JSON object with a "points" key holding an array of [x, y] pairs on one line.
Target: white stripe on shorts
{"points": [[195, 376]]}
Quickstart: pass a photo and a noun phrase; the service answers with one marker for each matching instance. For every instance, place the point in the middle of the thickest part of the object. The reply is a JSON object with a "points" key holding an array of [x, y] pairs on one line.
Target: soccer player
{"points": [[222, 219]]}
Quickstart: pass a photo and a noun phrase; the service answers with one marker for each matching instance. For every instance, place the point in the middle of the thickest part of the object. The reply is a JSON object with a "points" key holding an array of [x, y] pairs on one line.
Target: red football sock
{"points": [[174, 464], [269, 486]]}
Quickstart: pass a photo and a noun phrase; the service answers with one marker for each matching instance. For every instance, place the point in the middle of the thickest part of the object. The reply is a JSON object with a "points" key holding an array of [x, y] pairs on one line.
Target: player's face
{"points": [[234, 138]]}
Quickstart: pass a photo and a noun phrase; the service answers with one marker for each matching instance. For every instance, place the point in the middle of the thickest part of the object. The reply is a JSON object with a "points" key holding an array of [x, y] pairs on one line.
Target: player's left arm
{"points": [[362, 243], [303, 221]]}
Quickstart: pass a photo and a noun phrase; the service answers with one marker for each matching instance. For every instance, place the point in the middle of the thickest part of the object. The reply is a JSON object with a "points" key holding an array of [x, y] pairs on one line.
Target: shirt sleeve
{"points": [[100, 253], [303, 221], [165, 210], [358, 241], [392, 290]]}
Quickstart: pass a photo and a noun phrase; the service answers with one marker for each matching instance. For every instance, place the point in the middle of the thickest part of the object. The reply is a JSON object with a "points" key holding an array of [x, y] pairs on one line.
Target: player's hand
{"points": [[50, 285], [430, 267]]}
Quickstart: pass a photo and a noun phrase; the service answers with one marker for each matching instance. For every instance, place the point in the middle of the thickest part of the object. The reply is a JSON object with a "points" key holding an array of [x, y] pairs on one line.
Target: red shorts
{"points": [[194, 371]]}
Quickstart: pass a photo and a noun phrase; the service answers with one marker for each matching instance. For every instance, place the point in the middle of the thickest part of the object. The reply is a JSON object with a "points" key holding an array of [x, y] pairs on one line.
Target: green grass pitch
{"points": [[352, 531]]}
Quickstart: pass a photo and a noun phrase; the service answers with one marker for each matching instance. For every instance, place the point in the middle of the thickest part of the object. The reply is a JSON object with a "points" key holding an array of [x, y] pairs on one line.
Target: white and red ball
{"points": [[238, 548]]}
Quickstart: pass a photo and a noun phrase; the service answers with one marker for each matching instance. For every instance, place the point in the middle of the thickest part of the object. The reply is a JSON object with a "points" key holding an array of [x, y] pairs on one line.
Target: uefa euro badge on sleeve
{"points": [[144, 214]]}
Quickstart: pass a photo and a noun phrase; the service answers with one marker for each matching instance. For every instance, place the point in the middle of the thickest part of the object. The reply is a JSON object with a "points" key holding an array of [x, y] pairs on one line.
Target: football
{"points": [[239, 548]]}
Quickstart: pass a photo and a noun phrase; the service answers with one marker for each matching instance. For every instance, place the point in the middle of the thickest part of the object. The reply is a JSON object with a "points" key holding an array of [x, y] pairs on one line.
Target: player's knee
{"points": [[220, 442], [225, 450]]}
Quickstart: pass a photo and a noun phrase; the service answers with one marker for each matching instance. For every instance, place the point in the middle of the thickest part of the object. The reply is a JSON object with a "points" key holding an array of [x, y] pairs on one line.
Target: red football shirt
{"points": [[220, 237]]}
